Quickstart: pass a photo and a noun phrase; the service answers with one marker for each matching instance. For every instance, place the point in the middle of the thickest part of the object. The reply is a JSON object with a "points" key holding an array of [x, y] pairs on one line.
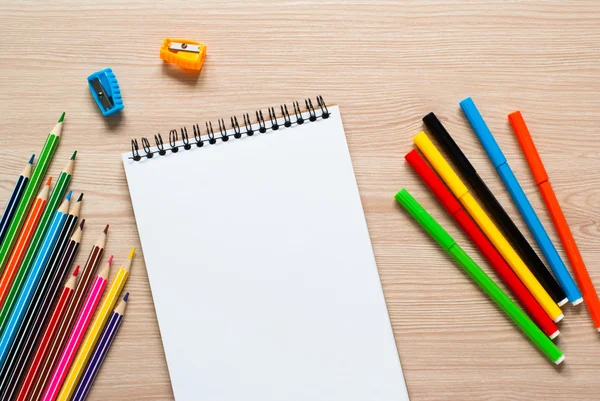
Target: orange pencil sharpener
{"points": [[185, 53]]}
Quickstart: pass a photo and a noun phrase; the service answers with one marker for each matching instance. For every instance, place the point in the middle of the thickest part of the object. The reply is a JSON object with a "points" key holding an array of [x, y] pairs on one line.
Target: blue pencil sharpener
{"points": [[105, 90]]}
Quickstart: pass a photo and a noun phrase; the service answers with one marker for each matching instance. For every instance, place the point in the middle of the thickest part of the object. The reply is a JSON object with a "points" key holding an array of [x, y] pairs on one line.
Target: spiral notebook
{"points": [[260, 262]]}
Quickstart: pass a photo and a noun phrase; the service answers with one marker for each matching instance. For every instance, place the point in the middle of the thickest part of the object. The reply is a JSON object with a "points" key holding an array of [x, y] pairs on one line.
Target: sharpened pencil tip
{"points": [[62, 117], [49, 181], [106, 229], [76, 270], [69, 195], [131, 253], [126, 297], [80, 197], [81, 224], [31, 159], [110, 259], [74, 155]]}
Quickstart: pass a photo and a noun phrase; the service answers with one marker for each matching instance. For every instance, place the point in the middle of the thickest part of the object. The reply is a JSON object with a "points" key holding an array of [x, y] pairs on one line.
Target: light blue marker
{"points": [[518, 196], [32, 281]]}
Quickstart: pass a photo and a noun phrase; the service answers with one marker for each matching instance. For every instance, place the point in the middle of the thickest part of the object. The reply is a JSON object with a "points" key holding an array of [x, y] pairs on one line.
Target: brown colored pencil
{"points": [[87, 276]]}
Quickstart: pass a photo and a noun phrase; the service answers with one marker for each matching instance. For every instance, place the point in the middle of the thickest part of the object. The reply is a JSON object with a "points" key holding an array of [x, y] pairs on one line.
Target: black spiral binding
{"points": [[265, 124]]}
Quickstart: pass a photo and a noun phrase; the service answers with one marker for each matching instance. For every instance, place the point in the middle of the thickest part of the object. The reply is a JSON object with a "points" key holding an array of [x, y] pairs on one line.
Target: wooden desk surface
{"points": [[386, 65]]}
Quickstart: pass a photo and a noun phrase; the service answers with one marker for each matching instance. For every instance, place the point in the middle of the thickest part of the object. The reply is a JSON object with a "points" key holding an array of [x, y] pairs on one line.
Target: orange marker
{"points": [[16, 257], [558, 218]]}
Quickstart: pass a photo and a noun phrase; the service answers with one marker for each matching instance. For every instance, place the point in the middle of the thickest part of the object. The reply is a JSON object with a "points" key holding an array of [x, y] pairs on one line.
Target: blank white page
{"points": [[262, 270]]}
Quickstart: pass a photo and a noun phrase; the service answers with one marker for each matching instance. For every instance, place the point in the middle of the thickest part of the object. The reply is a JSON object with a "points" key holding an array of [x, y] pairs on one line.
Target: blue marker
{"points": [[32, 281], [518, 196]]}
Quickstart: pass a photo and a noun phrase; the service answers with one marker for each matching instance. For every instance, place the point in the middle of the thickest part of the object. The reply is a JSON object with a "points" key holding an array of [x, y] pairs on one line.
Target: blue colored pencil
{"points": [[15, 197], [99, 354], [32, 281], [518, 196]]}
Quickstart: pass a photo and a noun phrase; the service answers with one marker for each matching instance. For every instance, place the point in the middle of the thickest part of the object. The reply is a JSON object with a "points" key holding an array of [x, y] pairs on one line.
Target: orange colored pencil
{"points": [[31, 222], [558, 218]]}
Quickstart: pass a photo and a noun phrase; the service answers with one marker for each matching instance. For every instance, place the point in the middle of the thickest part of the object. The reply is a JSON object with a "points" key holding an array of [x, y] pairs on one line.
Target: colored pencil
{"points": [[53, 352], [92, 336], [32, 333], [30, 190], [558, 218], [99, 355], [81, 325], [32, 281], [489, 144], [16, 257], [57, 195], [56, 317], [486, 248], [51, 279], [461, 192], [14, 199], [495, 209], [437, 232]]}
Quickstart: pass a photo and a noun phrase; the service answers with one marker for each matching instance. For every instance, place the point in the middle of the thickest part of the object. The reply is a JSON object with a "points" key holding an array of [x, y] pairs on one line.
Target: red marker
{"points": [[490, 253]]}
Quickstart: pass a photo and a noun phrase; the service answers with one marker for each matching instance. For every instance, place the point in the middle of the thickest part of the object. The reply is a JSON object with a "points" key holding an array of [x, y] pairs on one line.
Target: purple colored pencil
{"points": [[99, 354]]}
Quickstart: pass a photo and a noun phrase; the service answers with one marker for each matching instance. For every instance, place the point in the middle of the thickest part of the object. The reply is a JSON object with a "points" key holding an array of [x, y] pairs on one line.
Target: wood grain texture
{"points": [[386, 64]]}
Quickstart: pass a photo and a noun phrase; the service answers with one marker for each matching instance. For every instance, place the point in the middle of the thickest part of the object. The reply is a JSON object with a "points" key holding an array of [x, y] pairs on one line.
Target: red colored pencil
{"points": [[57, 315], [452, 206]]}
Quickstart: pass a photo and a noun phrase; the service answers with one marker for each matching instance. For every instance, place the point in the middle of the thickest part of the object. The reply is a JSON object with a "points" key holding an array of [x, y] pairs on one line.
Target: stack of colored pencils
{"points": [[48, 349], [540, 291]]}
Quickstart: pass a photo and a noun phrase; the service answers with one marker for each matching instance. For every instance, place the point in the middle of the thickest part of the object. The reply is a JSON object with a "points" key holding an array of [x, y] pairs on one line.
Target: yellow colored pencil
{"points": [[95, 331], [487, 226]]}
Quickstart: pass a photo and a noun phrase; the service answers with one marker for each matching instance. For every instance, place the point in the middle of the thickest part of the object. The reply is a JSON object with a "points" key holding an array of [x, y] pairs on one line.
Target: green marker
{"points": [[519, 317], [30, 191]]}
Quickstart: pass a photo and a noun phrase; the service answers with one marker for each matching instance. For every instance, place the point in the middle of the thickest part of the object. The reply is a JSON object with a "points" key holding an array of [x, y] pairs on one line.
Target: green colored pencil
{"points": [[55, 199], [519, 317], [30, 191]]}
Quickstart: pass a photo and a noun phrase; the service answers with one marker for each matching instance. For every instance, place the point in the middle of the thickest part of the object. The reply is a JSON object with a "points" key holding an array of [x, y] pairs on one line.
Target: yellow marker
{"points": [[486, 224], [94, 332]]}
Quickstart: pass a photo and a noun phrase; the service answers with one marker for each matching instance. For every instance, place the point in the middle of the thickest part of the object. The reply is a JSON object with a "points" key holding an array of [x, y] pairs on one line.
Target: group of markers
{"points": [[498, 239], [46, 307]]}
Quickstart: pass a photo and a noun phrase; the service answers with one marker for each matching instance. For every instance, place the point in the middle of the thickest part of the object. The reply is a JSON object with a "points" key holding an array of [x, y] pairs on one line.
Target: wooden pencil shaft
{"points": [[13, 201], [30, 191], [65, 327], [94, 332], [35, 244], [98, 357], [49, 330], [74, 339], [25, 236], [33, 332]]}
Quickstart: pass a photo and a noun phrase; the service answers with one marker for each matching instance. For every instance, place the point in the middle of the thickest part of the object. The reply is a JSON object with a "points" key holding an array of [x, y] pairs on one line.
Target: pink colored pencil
{"points": [[82, 322]]}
